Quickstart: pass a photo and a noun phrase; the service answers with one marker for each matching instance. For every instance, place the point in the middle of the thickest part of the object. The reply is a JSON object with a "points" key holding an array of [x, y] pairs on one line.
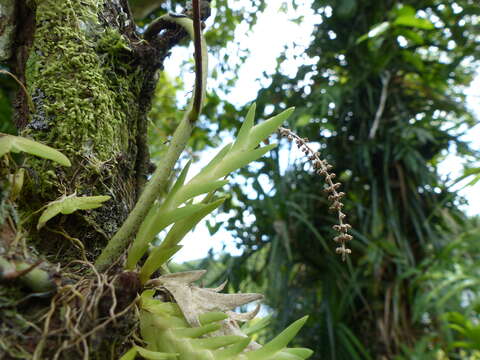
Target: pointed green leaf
{"points": [[279, 342], [210, 317], [147, 295], [232, 351], [155, 355], [130, 354], [244, 131], [181, 179], [414, 22], [5, 144], [216, 342], [68, 205], [241, 159], [17, 144], [144, 236], [164, 309], [196, 332], [156, 220], [155, 260], [257, 325], [182, 227], [374, 32], [165, 219], [52, 210], [263, 130], [215, 161], [302, 353], [75, 203], [191, 189], [282, 355]]}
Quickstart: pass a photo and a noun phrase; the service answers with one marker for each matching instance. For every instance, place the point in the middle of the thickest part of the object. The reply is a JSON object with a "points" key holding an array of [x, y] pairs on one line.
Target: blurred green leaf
{"points": [[412, 21]]}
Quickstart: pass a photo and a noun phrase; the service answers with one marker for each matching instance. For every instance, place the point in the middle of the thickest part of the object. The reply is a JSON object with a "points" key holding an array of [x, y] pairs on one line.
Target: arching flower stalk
{"points": [[323, 168]]}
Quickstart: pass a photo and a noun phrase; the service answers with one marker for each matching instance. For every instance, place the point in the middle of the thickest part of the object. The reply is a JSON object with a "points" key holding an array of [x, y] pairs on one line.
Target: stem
{"points": [[199, 73], [381, 106], [129, 228]]}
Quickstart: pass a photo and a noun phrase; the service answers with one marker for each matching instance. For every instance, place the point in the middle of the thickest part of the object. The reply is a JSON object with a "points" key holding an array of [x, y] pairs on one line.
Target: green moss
{"points": [[85, 87], [82, 92]]}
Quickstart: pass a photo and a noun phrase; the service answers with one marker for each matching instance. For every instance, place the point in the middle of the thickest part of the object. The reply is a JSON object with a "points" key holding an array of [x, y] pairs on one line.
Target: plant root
{"points": [[80, 313]]}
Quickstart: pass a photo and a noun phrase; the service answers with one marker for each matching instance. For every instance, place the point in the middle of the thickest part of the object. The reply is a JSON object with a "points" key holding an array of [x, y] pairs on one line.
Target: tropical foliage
{"points": [[383, 99]]}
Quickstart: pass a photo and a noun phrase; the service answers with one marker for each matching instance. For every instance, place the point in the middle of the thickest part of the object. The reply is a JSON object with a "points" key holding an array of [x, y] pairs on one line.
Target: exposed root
{"points": [[80, 312]]}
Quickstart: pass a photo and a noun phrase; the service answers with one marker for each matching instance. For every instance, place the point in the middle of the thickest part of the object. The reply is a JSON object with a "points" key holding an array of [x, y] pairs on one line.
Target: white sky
{"points": [[268, 38]]}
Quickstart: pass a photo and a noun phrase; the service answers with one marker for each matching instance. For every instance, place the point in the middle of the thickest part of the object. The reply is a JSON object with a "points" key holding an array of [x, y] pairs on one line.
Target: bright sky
{"points": [[269, 36]]}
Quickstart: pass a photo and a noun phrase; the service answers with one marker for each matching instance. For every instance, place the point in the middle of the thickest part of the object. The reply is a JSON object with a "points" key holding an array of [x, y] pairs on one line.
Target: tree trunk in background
{"points": [[90, 79]]}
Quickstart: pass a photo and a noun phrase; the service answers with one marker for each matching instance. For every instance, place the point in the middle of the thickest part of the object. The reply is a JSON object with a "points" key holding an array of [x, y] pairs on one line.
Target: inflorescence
{"points": [[323, 168]]}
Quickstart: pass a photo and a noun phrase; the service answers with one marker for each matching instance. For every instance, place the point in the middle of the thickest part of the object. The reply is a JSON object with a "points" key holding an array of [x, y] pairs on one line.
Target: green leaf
{"points": [[192, 190], [279, 342], [158, 257], [301, 353], [196, 332], [405, 10], [244, 131], [181, 179], [303, 120], [155, 355], [263, 130], [374, 32], [232, 351], [413, 59], [213, 229], [68, 205], [216, 160], [411, 35], [257, 325], [210, 317], [182, 227], [157, 219], [241, 159], [412, 21], [130, 354], [10, 143], [216, 342], [5, 144]]}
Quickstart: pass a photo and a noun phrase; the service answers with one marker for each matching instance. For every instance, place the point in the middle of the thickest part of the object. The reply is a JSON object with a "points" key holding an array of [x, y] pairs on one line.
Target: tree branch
{"points": [[129, 228], [142, 8], [381, 106]]}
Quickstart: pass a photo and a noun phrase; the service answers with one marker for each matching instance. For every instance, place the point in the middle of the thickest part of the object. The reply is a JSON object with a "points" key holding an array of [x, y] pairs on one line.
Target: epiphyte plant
{"points": [[201, 325], [232, 157]]}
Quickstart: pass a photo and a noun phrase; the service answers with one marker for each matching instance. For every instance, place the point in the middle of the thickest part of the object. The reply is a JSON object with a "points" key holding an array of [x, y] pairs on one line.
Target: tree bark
{"points": [[90, 78]]}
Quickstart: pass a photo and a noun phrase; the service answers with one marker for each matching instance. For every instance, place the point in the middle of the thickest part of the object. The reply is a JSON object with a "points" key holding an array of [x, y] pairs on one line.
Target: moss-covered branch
{"points": [[159, 180]]}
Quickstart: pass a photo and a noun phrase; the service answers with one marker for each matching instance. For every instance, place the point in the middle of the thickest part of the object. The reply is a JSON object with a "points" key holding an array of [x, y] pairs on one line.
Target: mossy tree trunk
{"points": [[89, 78]]}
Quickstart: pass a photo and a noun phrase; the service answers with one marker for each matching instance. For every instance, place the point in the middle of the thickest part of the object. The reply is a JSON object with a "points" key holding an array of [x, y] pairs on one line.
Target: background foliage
{"points": [[413, 264]]}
